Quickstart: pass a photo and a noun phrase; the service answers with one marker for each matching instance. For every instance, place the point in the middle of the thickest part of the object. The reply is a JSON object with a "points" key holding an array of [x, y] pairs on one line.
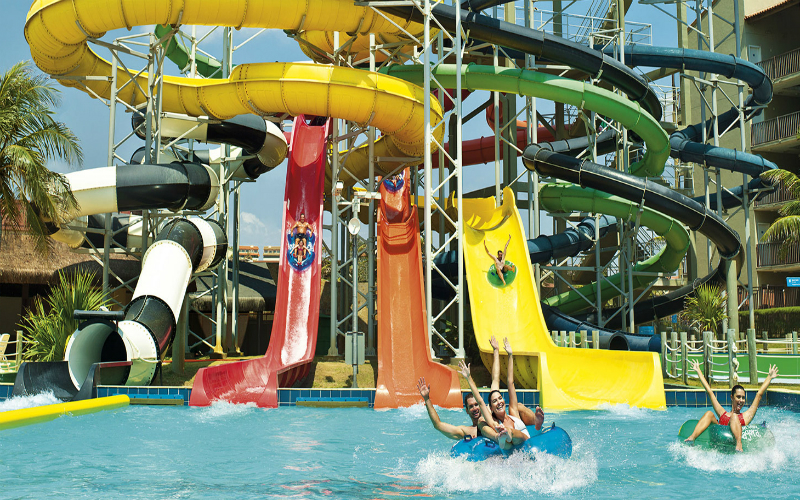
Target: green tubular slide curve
{"points": [[562, 197], [177, 52], [559, 89]]}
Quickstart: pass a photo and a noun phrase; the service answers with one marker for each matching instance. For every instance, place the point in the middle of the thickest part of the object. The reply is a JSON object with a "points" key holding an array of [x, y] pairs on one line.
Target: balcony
{"points": [[768, 255], [778, 135], [773, 200], [783, 70], [767, 297]]}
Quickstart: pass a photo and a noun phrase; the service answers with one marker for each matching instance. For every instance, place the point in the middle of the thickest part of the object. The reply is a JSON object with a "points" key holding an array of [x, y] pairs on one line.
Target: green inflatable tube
{"points": [[719, 437]]}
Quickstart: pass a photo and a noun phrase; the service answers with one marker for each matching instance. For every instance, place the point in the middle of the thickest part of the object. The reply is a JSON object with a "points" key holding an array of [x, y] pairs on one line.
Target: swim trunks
{"points": [[725, 419]]}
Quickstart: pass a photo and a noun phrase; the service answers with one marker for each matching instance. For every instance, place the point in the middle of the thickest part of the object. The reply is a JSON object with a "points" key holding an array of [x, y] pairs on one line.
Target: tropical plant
{"points": [[786, 228], [29, 136], [49, 323], [706, 308]]}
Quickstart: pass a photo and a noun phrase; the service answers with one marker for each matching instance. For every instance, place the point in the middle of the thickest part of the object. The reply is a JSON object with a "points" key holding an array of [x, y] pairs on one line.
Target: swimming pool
{"points": [[228, 451]]}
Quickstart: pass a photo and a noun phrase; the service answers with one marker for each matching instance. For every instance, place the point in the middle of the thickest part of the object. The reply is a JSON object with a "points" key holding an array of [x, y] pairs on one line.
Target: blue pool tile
{"points": [[669, 397], [305, 393], [283, 396], [339, 394]]}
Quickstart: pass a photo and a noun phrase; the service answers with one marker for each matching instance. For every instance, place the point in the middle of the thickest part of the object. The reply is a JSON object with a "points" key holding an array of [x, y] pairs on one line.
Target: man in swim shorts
{"points": [[500, 265], [302, 227], [451, 431], [738, 399]]}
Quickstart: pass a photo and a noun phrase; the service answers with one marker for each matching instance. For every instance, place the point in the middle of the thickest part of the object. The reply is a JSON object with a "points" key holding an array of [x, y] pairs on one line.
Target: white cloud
{"points": [[252, 229]]}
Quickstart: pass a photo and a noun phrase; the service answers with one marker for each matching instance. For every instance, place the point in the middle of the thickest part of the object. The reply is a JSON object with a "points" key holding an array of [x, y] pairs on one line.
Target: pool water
{"points": [[229, 451]]}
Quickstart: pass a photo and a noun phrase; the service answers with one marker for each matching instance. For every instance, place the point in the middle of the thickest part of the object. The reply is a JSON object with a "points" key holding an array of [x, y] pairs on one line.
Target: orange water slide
{"points": [[404, 353]]}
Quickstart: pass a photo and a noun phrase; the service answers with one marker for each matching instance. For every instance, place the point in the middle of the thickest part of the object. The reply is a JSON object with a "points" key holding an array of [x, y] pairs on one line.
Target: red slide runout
{"points": [[294, 329], [404, 353]]}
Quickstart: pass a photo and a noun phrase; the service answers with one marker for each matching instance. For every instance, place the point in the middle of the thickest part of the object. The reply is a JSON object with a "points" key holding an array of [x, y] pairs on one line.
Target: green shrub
{"points": [[778, 321], [705, 309], [48, 324]]}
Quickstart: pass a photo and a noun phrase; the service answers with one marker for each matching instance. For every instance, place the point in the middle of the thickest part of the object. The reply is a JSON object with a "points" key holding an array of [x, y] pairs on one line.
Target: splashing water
{"points": [[624, 410], [20, 402], [519, 473], [777, 459], [223, 409]]}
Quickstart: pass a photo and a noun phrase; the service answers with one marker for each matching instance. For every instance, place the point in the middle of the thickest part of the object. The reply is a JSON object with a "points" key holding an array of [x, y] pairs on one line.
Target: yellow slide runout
{"points": [[56, 31], [567, 378], [39, 414]]}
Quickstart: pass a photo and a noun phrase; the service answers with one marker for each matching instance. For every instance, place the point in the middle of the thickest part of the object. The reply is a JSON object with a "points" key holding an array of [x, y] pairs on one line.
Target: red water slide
{"points": [[481, 150], [294, 330], [404, 352]]}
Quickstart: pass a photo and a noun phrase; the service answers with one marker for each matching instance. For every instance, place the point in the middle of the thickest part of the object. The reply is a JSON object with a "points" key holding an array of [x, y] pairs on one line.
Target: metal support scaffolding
{"points": [[435, 242]]}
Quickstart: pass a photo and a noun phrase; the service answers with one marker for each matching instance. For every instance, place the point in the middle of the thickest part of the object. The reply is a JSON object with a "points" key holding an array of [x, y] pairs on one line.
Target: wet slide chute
{"points": [[404, 352], [566, 378], [294, 329]]}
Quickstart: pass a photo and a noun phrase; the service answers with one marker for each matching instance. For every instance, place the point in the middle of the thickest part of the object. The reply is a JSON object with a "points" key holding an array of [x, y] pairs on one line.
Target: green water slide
{"points": [[563, 197], [178, 52]]}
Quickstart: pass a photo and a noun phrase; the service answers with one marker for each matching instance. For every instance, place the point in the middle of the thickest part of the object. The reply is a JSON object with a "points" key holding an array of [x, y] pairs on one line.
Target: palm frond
{"points": [[706, 308], [49, 323], [29, 137]]}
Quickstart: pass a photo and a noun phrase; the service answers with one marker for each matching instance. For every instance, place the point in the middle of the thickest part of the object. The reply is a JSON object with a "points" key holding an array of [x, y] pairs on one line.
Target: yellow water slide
{"points": [[58, 33], [567, 378]]}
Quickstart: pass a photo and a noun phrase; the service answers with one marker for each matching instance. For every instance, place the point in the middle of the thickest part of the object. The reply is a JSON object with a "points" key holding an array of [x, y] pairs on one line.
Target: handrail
{"points": [[770, 254], [770, 296], [779, 195], [776, 129], [781, 65]]}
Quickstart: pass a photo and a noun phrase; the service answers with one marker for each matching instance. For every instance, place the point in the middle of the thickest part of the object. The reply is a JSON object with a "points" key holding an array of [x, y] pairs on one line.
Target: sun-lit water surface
{"points": [[230, 451]]}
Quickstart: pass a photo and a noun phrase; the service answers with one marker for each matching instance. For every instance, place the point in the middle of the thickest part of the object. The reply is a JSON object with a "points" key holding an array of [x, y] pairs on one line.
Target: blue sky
{"points": [[262, 200]]}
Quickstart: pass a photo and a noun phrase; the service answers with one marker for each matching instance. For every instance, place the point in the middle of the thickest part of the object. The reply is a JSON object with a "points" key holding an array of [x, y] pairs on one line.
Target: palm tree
{"points": [[29, 136], [786, 228]]}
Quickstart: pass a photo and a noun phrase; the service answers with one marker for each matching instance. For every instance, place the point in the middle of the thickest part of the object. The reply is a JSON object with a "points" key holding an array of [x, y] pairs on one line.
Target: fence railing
{"points": [[781, 127], [767, 297], [781, 65], [769, 254], [12, 355], [582, 339], [778, 195], [730, 360]]}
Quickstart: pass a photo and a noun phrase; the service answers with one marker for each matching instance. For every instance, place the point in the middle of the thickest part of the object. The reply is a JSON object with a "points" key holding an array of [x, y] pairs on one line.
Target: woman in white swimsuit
{"points": [[499, 422]]}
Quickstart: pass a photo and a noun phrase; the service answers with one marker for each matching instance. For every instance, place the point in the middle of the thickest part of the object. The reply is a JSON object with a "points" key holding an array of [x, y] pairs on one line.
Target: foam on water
{"points": [[222, 409], [18, 403], [625, 410], [419, 411], [520, 473]]}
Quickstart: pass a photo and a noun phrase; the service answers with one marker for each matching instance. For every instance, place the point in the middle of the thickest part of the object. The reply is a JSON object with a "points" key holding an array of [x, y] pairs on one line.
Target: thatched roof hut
{"points": [[21, 263]]}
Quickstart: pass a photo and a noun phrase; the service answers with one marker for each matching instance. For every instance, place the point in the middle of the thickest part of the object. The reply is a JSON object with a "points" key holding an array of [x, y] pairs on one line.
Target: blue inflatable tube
{"points": [[554, 441]]}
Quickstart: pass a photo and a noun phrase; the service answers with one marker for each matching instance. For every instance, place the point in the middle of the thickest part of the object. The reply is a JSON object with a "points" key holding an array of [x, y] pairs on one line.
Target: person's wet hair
{"points": [[490, 399], [736, 388], [466, 397]]}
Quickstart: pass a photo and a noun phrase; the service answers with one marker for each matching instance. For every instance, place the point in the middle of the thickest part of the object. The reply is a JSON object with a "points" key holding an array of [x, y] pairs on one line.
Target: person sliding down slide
{"points": [[735, 419], [500, 266], [500, 424]]}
